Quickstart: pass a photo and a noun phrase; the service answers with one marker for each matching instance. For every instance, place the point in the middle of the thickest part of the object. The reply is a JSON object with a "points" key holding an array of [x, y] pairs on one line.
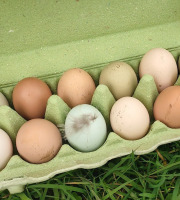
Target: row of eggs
{"points": [[39, 140]]}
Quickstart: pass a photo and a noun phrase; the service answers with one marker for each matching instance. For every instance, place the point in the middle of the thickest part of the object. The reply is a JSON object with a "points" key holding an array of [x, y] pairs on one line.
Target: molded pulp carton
{"points": [[45, 38]]}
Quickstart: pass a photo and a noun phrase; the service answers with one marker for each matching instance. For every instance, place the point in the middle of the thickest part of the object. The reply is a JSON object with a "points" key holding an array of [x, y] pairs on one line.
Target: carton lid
{"points": [[42, 39]]}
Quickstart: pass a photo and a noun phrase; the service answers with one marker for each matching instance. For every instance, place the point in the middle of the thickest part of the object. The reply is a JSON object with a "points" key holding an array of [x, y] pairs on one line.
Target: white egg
{"points": [[85, 128], [129, 118], [3, 100], [6, 149]]}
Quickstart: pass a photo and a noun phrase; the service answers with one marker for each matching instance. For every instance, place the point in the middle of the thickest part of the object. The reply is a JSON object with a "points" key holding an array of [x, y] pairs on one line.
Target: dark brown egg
{"points": [[30, 97]]}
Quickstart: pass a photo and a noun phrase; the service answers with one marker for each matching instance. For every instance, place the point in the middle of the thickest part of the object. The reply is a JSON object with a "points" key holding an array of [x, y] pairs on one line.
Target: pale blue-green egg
{"points": [[85, 128]]}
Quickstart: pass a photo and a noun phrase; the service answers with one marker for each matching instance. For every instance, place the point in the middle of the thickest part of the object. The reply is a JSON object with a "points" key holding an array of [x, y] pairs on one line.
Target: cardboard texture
{"points": [[45, 38]]}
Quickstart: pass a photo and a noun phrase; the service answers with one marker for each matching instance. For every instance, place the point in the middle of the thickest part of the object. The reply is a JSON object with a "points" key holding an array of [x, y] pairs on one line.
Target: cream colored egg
{"points": [[129, 118], [6, 149], [3, 100], [160, 64]]}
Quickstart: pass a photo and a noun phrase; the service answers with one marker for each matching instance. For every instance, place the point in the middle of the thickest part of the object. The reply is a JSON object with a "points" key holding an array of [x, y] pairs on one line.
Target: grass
{"points": [[153, 176]]}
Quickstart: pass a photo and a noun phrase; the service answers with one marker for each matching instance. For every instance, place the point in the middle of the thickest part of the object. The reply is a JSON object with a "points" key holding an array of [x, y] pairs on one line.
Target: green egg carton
{"points": [[45, 38]]}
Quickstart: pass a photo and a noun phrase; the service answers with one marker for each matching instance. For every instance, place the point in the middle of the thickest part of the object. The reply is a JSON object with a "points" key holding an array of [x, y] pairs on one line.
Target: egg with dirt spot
{"points": [[85, 128], [167, 107]]}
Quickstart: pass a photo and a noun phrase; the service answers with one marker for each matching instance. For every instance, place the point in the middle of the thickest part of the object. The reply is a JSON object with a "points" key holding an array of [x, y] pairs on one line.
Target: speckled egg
{"points": [[120, 78]]}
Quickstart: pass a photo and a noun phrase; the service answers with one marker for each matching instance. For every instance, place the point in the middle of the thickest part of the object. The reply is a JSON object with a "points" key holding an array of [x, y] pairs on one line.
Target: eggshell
{"points": [[120, 78], [30, 97], [129, 118], [6, 149], [160, 64], [167, 107], [76, 87], [3, 100], [85, 128], [38, 141]]}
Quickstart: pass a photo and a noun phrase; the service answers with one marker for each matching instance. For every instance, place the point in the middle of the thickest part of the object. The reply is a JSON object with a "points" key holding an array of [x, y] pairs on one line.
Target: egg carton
{"points": [[89, 35]]}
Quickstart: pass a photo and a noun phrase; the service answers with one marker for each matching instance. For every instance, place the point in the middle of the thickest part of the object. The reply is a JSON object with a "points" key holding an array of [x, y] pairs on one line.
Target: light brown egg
{"points": [[160, 64], [38, 141], [167, 107], [76, 87], [30, 97]]}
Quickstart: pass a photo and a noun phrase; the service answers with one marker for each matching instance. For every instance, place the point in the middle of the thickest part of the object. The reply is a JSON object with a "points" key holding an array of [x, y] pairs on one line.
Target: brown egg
{"points": [[38, 141], [167, 107], [30, 97], [76, 87]]}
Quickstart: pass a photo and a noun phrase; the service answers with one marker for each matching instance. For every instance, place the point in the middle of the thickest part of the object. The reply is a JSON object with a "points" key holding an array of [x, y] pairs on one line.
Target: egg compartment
{"points": [[44, 39], [18, 172]]}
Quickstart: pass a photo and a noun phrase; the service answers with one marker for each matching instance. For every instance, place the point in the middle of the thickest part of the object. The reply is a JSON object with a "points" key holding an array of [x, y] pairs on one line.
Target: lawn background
{"points": [[153, 176]]}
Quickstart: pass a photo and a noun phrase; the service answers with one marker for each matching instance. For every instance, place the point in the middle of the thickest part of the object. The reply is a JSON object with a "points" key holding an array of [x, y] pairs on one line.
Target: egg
{"points": [[160, 64], [6, 149], [129, 118], [120, 78], [3, 100], [38, 141], [167, 107], [76, 87], [85, 128], [30, 97]]}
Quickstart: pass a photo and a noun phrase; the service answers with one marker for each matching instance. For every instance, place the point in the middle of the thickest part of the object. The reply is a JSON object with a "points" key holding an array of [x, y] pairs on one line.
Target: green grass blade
{"points": [[176, 191], [22, 196]]}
